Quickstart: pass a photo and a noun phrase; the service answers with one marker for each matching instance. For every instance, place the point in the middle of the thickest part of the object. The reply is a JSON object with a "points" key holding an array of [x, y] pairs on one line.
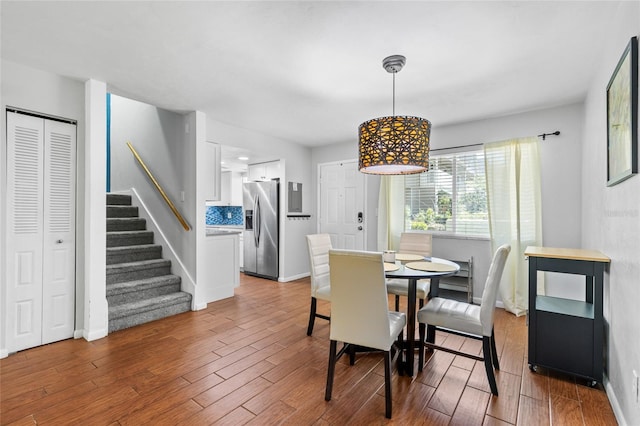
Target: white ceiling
{"points": [[310, 72]]}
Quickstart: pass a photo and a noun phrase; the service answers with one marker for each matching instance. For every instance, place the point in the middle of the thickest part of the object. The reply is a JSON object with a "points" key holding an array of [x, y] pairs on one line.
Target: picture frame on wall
{"points": [[622, 117]]}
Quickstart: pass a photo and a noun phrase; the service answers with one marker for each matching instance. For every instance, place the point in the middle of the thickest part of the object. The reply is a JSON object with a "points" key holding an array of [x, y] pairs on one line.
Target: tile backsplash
{"points": [[224, 215]]}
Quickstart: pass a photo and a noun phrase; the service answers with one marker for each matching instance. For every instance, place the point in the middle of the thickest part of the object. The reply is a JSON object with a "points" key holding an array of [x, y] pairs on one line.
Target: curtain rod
{"points": [[543, 136], [456, 147]]}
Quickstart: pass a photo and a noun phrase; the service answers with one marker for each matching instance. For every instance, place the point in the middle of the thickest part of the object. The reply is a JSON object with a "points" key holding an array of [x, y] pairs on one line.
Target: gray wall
{"points": [[157, 136], [611, 224]]}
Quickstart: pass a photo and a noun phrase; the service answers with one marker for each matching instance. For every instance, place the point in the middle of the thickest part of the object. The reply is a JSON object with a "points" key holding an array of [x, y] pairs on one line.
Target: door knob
{"points": [[59, 242], [359, 228]]}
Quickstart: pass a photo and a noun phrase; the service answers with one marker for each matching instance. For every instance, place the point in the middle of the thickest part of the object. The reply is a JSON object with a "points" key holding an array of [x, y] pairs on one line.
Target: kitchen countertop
{"points": [[212, 231]]}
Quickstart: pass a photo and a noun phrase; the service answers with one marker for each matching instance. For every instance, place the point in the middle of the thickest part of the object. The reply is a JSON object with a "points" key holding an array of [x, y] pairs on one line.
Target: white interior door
{"points": [[58, 286], [342, 201], [25, 210], [40, 276]]}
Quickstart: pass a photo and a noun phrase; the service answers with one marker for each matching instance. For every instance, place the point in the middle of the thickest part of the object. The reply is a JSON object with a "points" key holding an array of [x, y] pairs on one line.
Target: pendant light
{"points": [[396, 145]]}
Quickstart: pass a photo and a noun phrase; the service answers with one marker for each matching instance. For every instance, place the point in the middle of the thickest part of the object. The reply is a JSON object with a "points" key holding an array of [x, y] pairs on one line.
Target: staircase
{"points": [[140, 286]]}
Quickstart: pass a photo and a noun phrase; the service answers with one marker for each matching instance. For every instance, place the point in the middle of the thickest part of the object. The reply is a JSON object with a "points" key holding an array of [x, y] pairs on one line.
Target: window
{"points": [[450, 198]]}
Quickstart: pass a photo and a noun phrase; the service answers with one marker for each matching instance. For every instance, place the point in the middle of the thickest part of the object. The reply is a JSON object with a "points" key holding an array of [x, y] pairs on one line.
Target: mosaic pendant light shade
{"points": [[395, 145]]}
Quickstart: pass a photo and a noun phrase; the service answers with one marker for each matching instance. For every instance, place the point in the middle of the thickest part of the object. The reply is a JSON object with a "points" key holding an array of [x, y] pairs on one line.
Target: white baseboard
{"points": [[615, 405], [293, 278], [4, 353], [215, 294], [95, 334], [78, 334]]}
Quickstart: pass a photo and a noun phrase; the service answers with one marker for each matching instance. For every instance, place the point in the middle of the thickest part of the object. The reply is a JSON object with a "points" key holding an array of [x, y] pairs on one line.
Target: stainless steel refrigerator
{"points": [[260, 202]]}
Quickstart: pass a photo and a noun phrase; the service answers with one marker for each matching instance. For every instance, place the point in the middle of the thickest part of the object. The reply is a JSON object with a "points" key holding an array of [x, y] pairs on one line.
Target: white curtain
{"points": [[513, 194], [390, 212]]}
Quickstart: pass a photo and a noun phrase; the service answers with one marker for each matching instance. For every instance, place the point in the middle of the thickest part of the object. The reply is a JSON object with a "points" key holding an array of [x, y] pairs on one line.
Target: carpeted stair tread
{"points": [[144, 283], [122, 211], [126, 224], [133, 253], [121, 272], [118, 199], [127, 233], [118, 311], [140, 312], [142, 264], [136, 290], [127, 238]]}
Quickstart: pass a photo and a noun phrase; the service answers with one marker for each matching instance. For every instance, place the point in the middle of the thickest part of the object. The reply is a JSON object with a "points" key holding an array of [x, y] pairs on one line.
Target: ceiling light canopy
{"points": [[395, 145]]}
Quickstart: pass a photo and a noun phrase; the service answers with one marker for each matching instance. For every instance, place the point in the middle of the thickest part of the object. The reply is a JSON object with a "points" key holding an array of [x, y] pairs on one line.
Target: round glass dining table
{"points": [[446, 268]]}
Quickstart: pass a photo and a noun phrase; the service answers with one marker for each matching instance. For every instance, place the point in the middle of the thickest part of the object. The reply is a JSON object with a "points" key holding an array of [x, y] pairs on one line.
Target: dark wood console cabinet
{"points": [[564, 334]]}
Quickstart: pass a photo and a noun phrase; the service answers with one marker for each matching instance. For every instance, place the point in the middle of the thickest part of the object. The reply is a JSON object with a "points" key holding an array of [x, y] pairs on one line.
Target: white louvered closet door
{"points": [[58, 287], [41, 231]]}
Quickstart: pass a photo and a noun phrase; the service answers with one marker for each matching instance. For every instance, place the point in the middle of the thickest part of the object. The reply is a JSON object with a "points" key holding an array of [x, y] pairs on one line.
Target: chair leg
{"points": [[312, 316], [421, 336], [431, 333], [352, 354], [387, 384], [494, 353], [486, 349], [331, 370], [397, 303]]}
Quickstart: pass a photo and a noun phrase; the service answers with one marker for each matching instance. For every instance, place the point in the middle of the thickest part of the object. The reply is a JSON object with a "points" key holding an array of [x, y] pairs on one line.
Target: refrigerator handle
{"points": [[256, 221]]}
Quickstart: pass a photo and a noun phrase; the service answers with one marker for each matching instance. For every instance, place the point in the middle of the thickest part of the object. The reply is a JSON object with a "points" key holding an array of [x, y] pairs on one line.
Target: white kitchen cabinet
{"points": [[213, 172], [264, 171], [236, 189], [221, 273], [241, 256], [225, 190], [230, 190], [272, 170]]}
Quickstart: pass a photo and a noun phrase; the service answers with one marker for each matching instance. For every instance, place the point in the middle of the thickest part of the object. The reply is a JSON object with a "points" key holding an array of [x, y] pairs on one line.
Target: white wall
{"points": [[561, 174], [96, 308], [31, 89], [295, 158], [611, 224]]}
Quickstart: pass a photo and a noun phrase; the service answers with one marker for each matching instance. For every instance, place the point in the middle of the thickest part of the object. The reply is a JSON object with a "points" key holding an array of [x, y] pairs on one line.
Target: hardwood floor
{"points": [[248, 360]]}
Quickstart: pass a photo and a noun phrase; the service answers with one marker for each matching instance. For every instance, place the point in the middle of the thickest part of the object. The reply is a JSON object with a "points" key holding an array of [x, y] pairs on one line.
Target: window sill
{"points": [[458, 237]]}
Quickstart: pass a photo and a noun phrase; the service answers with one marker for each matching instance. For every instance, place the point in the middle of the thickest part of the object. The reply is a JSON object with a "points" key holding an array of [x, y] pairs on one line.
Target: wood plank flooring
{"points": [[248, 360]]}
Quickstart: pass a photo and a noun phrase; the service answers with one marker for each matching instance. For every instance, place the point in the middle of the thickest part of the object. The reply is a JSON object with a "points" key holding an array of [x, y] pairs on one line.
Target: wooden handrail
{"points": [[173, 208]]}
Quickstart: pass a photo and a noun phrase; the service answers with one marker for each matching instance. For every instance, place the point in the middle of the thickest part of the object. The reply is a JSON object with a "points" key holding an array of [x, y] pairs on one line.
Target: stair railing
{"points": [[167, 200]]}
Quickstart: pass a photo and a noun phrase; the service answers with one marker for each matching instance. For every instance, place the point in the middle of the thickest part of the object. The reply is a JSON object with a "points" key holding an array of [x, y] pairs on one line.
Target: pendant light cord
{"points": [[394, 95]]}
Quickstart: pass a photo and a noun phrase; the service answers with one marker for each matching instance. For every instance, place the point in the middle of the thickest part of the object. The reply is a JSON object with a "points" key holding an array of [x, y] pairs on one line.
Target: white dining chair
{"points": [[360, 314], [411, 243], [466, 319], [319, 246]]}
